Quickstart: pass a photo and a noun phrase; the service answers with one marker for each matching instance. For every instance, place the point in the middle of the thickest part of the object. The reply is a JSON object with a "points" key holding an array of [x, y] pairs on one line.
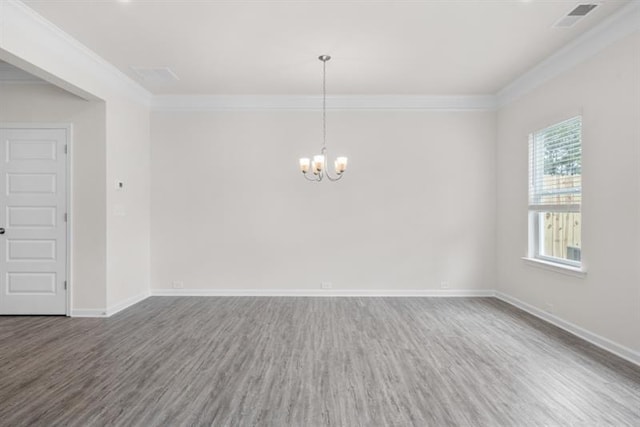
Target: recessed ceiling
{"points": [[271, 47]]}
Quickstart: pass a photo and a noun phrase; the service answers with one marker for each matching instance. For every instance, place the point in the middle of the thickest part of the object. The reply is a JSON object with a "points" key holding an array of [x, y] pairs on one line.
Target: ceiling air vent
{"points": [[579, 12], [156, 75]]}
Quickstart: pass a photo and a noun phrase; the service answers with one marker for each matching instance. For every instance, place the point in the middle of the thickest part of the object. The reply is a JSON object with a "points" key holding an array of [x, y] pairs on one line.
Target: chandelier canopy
{"points": [[319, 163]]}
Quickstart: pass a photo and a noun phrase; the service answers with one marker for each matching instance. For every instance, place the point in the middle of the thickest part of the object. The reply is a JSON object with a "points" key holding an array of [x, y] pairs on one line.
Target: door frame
{"points": [[68, 128]]}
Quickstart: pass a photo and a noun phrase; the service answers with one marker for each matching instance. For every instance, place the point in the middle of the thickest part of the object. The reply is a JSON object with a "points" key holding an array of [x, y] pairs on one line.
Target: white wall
{"points": [[46, 103], [418, 205], [35, 45], [128, 215], [230, 211], [606, 91]]}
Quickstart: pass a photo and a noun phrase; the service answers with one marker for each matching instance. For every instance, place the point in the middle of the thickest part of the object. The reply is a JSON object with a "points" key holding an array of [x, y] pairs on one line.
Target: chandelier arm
{"points": [[311, 179], [334, 179], [326, 169]]}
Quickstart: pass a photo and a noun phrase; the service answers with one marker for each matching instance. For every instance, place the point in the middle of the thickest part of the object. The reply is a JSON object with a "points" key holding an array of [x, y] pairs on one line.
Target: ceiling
{"points": [[431, 47]]}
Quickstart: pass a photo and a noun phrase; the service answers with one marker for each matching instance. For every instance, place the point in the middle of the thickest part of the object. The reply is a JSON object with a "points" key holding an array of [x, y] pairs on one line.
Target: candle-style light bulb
{"points": [[318, 164], [341, 164], [305, 163]]}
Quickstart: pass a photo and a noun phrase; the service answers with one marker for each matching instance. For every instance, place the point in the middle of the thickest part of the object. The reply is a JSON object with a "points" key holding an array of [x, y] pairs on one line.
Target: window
{"points": [[555, 193]]}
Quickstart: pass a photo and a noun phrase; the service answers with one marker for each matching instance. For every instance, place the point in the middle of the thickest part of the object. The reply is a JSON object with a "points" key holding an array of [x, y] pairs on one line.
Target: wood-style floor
{"points": [[245, 361]]}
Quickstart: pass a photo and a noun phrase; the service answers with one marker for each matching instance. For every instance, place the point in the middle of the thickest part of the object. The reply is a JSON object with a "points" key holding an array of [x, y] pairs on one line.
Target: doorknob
{"points": [[1, 230]]}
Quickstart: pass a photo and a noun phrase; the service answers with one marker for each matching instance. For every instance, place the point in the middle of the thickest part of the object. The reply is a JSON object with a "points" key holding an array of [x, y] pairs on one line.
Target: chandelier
{"points": [[319, 164]]}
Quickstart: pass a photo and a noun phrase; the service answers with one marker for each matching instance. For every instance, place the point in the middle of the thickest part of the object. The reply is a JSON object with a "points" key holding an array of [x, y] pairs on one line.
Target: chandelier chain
{"points": [[324, 106]]}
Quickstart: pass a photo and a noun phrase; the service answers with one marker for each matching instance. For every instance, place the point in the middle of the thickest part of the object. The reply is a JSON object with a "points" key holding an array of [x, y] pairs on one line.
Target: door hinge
{"points": [[66, 217], [66, 149], [65, 285]]}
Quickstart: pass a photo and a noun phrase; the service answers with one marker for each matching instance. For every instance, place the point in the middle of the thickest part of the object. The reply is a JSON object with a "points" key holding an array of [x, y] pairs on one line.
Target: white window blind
{"points": [[555, 167]]}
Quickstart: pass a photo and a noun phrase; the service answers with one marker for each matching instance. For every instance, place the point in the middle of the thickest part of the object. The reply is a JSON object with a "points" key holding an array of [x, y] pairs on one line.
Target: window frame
{"points": [[538, 229], [535, 225]]}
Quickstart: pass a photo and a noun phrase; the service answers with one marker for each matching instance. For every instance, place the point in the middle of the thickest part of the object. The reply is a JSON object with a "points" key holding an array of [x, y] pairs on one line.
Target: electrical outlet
{"points": [[326, 285], [444, 284], [178, 285]]}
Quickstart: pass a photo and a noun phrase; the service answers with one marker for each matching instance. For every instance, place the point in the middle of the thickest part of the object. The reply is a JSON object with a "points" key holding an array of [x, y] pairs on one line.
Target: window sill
{"points": [[558, 268]]}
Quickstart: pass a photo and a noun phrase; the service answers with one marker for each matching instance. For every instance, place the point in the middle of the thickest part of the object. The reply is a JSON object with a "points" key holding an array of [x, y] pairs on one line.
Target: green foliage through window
{"points": [[562, 148]]}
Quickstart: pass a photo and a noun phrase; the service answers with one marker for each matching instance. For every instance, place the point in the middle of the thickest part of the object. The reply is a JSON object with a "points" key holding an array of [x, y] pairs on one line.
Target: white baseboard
{"points": [[88, 312], [118, 307], [595, 339], [324, 292], [110, 311]]}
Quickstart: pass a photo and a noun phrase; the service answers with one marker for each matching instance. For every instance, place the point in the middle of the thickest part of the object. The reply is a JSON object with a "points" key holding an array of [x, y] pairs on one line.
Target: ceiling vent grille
{"points": [[579, 12], [155, 75]]}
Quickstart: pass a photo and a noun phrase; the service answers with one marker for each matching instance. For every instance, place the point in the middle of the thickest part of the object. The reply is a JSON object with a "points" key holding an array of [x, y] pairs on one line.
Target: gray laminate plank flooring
{"points": [[252, 361]]}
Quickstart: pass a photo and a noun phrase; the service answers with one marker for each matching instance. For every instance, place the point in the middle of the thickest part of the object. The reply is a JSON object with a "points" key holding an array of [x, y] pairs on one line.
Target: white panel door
{"points": [[33, 246]]}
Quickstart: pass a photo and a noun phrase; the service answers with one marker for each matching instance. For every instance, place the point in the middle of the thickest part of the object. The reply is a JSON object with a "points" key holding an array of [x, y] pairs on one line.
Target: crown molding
{"points": [[313, 103], [622, 23], [19, 23], [17, 19]]}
